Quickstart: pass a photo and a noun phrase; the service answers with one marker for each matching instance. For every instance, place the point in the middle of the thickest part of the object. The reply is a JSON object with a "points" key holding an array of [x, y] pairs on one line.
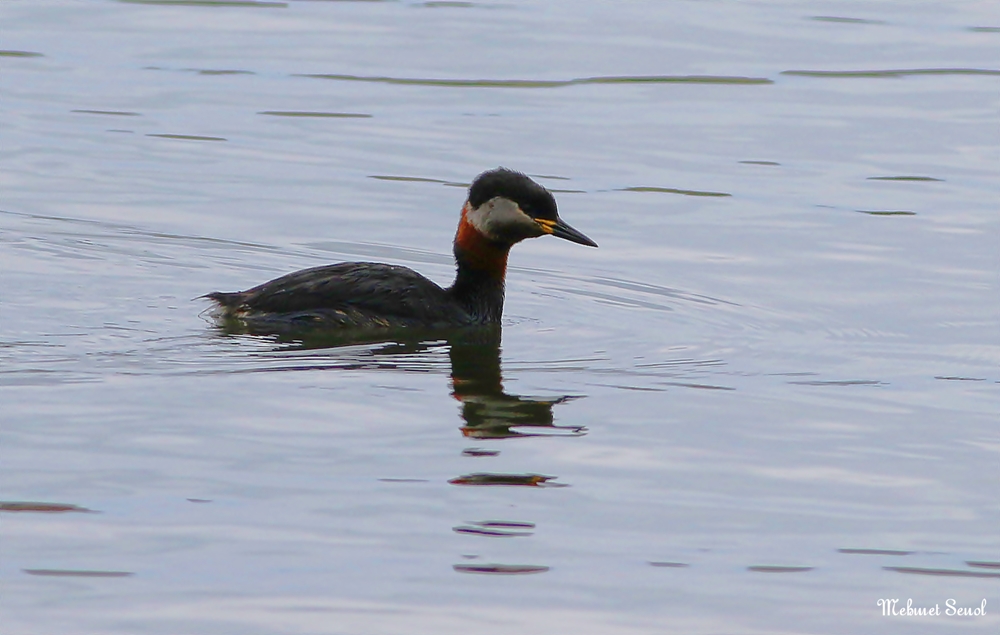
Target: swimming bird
{"points": [[503, 208]]}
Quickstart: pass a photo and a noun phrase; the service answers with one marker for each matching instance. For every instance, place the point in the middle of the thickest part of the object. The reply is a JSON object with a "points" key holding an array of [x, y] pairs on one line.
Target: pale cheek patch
{"points": [[498, 216]]}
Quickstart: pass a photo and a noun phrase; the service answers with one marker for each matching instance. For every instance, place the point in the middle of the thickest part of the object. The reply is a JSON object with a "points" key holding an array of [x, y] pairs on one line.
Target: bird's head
{"points": [[506, 207]]}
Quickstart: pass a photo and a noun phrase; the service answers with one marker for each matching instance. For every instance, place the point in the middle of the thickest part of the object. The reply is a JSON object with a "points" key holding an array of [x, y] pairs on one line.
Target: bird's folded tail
{"points": [[227, 300]]}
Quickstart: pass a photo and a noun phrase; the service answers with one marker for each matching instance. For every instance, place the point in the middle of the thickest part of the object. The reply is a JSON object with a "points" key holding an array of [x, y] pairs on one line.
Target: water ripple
{"points": [[543, 83], [901, 72], [255, 4]]}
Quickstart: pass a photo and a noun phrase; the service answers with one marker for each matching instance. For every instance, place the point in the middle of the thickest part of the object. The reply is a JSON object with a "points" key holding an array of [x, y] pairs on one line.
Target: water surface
{"points": [[766, 402]]}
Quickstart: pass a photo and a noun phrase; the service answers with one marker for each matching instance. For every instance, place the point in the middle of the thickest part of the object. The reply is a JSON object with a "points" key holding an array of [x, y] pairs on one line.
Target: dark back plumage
{"points": [[346, 294]]}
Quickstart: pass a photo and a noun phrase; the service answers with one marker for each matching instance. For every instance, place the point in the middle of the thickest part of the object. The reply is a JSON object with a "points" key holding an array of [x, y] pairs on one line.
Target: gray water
{"points": [[767, 401]]}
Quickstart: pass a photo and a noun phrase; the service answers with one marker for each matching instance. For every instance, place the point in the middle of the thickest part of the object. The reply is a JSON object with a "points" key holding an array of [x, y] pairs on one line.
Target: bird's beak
{"points": [[560, 229]]}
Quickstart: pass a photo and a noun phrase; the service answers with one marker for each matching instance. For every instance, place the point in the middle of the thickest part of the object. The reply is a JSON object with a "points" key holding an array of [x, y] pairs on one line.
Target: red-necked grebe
{"points": [[504, 207]]}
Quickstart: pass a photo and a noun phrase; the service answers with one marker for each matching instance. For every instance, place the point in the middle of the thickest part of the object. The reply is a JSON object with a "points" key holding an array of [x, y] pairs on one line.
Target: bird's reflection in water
{"points": [[488, 412]]}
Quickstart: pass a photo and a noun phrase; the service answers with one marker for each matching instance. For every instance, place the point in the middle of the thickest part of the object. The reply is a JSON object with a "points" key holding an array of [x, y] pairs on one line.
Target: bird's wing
{"points": [[369, 288]]}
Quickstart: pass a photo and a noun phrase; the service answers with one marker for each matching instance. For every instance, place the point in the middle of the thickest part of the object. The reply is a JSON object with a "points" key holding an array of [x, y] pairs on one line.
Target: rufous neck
{"points": [[482, 266]]}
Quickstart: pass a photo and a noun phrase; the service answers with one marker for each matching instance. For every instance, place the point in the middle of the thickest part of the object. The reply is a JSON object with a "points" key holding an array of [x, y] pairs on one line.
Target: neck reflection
{"points": [[488, 411]]}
